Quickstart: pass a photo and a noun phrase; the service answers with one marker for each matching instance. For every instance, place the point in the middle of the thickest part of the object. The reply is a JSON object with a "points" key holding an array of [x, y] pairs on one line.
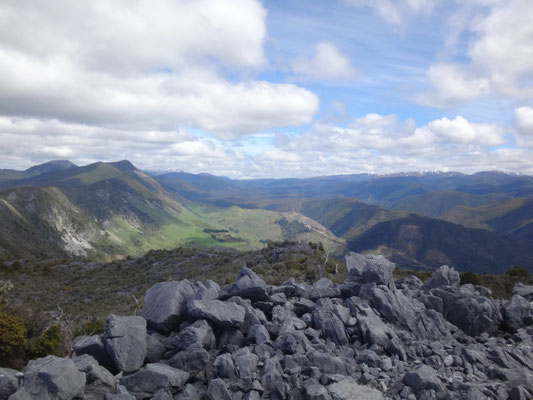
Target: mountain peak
{"points": [[124, 166], [54, 165]]}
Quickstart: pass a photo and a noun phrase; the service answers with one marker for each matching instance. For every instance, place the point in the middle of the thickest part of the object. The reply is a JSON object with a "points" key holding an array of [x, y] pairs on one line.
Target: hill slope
{"points": [[417, 241], [108, 210], [513, 218]]}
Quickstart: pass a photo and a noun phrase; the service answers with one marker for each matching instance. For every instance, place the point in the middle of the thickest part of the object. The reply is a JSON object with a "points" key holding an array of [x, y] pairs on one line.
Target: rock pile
{"points": [[368, 338]]}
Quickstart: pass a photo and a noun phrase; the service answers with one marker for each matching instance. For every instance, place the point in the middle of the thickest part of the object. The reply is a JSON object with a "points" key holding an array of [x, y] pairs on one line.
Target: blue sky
{"points": [[249, 88]]}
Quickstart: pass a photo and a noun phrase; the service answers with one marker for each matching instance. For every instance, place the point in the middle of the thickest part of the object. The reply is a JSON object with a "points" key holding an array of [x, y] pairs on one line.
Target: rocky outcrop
{"points": [[367, 338]]}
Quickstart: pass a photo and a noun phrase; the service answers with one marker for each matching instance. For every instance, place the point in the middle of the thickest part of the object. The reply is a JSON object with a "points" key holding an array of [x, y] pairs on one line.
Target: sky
{"points": [[269, 89]]}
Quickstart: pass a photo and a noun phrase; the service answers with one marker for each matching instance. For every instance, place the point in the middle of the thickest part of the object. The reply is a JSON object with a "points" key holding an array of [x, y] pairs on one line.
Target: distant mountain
{"points": [[421, 241], [55, 165], [435, 204], [512, 218], [107, 210], [432, 193], [110, 210]]}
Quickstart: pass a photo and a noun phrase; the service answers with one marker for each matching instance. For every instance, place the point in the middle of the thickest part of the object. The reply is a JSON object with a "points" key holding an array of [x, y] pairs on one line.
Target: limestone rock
{"points": [[517, 313], [247, 286], [219, 312], [164, 304], [153, 378], [217, 390], [125, 341], [94, 346], [378, 270], [422, 378], [9, 382], [348, 389], [444, 276], [198, 333], [51, 377], [526, 291], [99, 381]]}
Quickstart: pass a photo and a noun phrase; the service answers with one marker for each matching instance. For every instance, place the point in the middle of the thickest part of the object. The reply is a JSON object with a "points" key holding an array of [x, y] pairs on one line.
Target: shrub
{"points": [[50, 342], [517, 271], [470, 277], [12, 339], [90, 328]]}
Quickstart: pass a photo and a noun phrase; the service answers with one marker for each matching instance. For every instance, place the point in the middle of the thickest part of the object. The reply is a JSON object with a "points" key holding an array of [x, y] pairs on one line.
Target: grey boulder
{"points": [[378, 270], [51, 377], [217, 390], [94, 346], [423, 377], [9, 382], [193, 360], [154, 377], [324, 288], [164, 304], [526, 291], [248, 286], [125, 341], [220, 313], [517, 313], [444, 276], [99, 380], [466, 309], [348, 389], [198, 333], [327, 321]]}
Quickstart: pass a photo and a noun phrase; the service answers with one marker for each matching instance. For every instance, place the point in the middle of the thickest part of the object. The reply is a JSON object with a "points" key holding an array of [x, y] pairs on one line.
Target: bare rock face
{"points": [[125, 341], [368, 338]]}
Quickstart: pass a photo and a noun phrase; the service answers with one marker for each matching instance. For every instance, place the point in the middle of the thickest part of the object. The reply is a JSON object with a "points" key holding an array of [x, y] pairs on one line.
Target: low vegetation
{"points": [[44, 304], [52, 301]]}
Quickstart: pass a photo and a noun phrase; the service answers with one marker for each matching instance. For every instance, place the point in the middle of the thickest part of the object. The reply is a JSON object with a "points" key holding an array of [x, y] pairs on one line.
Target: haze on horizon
{"points": [[252, 89]]}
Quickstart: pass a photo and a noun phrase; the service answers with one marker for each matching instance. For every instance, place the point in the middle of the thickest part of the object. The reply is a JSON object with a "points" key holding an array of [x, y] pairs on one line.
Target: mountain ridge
{"points": [[138, 211]]}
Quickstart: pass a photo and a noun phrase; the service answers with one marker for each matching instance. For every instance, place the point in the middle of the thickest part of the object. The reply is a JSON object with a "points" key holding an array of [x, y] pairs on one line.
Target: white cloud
{"points": [[452, 83], [385, 144], [500, 56], [143, 65], [459, 130], [395, 11], [327, 63], [523, 123], [139, 36]]}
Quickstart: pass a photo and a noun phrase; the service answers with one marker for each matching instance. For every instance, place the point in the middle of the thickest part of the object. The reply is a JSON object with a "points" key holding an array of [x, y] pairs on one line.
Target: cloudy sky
{"points": [[272, 88]]}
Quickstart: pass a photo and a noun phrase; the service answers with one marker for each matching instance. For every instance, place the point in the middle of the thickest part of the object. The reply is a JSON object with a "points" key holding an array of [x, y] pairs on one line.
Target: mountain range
{"points": [[102, 211]]}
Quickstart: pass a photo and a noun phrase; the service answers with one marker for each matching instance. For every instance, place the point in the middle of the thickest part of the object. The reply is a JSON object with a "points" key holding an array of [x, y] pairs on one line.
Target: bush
{"points": [[50, 342], [470, 277], [517, 271], [12, 339], [90, 328]]}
